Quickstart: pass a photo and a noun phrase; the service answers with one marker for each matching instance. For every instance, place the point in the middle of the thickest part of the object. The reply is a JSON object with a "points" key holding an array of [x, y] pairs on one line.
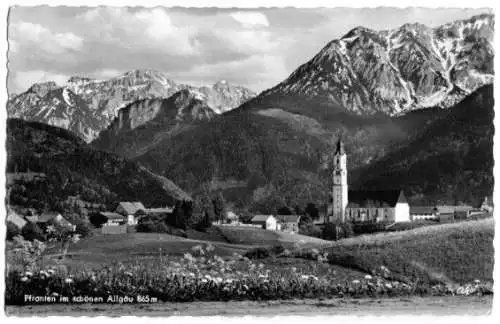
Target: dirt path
{"points": [[393, 306]]}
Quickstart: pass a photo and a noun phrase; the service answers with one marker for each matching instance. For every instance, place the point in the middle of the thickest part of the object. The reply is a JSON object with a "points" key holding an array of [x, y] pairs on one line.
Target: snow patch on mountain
{"points": [[395, 71]]}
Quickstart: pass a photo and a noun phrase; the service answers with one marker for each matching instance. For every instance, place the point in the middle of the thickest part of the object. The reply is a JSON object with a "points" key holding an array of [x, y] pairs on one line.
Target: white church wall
{"points": [[402, 212]]}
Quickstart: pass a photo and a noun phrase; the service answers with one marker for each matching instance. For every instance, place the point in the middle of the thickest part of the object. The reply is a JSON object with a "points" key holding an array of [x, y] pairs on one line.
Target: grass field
{"points": [[257, 236], [449, 253], [100, 249]]}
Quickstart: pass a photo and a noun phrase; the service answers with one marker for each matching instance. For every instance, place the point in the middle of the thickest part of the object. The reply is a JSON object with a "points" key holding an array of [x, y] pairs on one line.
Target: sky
{"points": [[256, 48]]}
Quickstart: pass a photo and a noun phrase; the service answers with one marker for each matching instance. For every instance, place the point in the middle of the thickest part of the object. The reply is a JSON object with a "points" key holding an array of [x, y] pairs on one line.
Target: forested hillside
{"points": [[450, 161], [72, 168]]}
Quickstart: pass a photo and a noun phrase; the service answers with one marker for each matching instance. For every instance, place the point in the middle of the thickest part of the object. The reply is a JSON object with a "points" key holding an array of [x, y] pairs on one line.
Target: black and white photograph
{"points": [[239, 161]]}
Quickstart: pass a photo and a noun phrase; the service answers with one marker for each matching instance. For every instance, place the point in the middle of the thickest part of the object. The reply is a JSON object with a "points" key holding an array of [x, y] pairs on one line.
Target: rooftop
{"points": [[260, 218], [375, 198]]}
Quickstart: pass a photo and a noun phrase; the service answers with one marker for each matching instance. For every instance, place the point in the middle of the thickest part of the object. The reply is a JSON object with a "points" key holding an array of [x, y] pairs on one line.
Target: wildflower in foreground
{"points": [[24, 279], [368, 277], [68, 280], [355, 281], [477, 281], [51, 271], [28, 273]]}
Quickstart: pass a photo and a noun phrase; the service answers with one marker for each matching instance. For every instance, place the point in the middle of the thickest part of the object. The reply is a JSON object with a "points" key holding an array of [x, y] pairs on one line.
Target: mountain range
{"points": [[395, 71], [383, 92], [86, 106]]}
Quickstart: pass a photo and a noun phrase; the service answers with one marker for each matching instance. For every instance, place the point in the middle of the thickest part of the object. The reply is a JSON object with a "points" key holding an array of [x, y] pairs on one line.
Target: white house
{"points": [[487, 205], [362, 206], [129, 210], [268, 222], [114, 219], [16, 219]]}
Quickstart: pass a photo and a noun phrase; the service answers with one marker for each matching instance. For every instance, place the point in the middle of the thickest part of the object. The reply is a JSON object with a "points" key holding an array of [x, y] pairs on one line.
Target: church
{"points": [[363, 205]]}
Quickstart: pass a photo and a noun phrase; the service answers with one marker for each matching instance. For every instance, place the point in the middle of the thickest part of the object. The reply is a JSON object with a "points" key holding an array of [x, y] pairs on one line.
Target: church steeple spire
{"points": [[340, 147]]}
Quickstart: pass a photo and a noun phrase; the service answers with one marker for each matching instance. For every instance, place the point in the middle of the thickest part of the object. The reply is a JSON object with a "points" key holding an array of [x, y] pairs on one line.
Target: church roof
{"points": [[375, 198]]}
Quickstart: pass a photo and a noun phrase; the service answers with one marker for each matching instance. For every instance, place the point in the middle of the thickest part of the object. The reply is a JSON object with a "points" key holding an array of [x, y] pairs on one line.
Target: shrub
{"points": [[330, 232], [82, 228], [310, 229], [97, 219], [368, 228], [337, 231], [264, 252], [12, 231], [32, 231], [347, 229]]}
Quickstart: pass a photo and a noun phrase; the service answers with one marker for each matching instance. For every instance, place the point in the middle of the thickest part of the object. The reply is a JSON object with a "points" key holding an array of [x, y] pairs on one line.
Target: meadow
{"points": [[443, 260], [450, 253]]}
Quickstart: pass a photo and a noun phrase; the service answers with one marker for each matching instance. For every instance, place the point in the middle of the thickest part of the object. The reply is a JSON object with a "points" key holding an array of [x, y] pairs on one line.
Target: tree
{"points": [[206, 208], [246, 217], [146, 225], [97, 219], [31, 231], [12, 231], [82, 228], [285, 211], [312, 211], [219, 208], [177, 218], [63, 234], [187, 208], [337, 231]]}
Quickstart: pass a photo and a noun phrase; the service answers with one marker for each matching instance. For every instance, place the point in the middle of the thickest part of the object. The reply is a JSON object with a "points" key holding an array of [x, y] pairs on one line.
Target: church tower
{"points": [[339, 183]]}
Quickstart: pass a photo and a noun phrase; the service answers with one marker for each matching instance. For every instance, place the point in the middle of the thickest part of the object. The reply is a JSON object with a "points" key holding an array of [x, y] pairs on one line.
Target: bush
{"points": [[368, 228], [310, 229], [147, 225], [97, 220], [32, 231], [337, 231], [12, 231], [82, 228], [264, 252]]}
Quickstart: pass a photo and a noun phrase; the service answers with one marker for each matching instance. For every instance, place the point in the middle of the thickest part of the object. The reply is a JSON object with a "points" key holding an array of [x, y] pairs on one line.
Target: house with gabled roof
{"points": [[16, 219], [288, 223], [51, 216], [129, 210], [113, 219], [268, 222]]}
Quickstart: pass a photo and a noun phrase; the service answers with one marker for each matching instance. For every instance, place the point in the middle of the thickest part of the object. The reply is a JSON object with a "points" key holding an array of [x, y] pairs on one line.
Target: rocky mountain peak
{"points": [[41, 89], [395, 71]]}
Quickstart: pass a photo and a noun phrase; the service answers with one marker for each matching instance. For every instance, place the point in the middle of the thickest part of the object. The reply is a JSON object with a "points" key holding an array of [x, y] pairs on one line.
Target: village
{"points": [[386, 207]]}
